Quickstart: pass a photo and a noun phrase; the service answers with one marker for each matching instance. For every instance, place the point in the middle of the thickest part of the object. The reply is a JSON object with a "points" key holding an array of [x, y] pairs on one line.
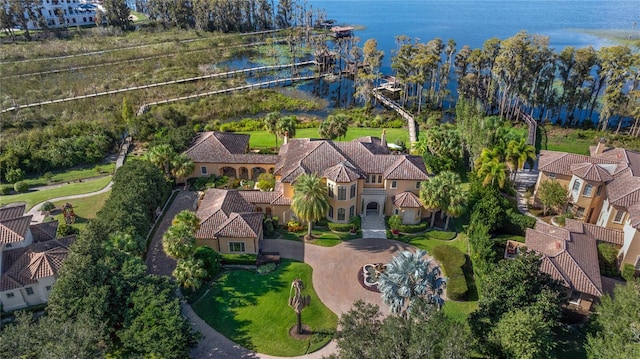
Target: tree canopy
{"points": [[310, 201]]}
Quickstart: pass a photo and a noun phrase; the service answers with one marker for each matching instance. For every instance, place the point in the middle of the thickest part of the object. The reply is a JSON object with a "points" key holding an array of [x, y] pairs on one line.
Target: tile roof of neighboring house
{"points": [[14, 230], [591, 172], [223, 147], [624, 191], [406, 200], [44, 231], [570, 256], [634, 215], [343, 172], [365, 155], [622, 155], [610, 235], [560, 162], [227, 213], [12, 211], [24, 266]]}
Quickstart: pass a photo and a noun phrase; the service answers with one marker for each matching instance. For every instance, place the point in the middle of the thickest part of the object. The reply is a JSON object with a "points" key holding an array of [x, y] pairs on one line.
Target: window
{"points": [[330, 189], [10, 295], [331, 212], [352, 211], [48, 288], [552, 175], [74, 20], [394, 184], [341, 214], [29, 290], [598, 190], [588, 190], [618, 217], [379, 178], [342, 193], [396, 211], [366, 179], [580, 212], [576, 186], [237, 247], [418, 185], [203, 170], [352, 193]]}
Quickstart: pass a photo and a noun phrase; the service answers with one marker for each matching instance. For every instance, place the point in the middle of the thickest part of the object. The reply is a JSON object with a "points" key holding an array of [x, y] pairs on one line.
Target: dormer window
{"points": [[618, 217], [576, 186]]}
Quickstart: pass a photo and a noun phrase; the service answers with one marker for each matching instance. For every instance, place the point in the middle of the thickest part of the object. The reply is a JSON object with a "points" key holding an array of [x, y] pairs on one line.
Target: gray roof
{"points": [[224, 147], [226, 213]]}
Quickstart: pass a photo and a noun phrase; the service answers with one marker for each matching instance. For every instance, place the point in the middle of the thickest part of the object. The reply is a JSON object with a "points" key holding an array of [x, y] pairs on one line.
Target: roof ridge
{"points": [[579, 267]]}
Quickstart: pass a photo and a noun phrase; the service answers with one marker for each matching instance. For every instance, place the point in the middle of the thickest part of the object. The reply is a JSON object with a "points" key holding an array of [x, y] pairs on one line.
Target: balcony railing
{"points": [[374, 191]]}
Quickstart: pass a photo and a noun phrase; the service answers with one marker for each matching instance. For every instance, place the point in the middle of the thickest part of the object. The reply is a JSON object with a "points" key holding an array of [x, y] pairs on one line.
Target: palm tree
{"points": [[410, 276], [270, 122], [178, 241], [181, 166], [161, 156], [187, 218], [443, 192], [310, 201], [286, 126], [334, 127], [519, 153], [190, 273], [492, 172]]}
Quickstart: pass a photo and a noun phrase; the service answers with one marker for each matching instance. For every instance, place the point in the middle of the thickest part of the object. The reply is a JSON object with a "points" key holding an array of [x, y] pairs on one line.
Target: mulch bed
{"points": [[373, 288]]}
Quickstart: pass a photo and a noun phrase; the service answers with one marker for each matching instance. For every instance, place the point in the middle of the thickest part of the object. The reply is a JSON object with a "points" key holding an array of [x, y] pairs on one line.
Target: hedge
{"points": [[452, 260], [5, 190], [516, 223], [21, 186], [607, 257], [243, 259], [413, 228], [339, 227]]}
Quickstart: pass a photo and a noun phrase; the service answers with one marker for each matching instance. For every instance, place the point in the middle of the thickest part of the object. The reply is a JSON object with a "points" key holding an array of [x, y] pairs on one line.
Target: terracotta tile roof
{"points": [[560, 162], [343, 172], [44, 231], [569, 255], [24, 266], [14, 230], [12, 211], [406, 200], [591, 172], [227, 213], [609, 235], [624, 191], [224, 147], [259, 196], [407, 168]]}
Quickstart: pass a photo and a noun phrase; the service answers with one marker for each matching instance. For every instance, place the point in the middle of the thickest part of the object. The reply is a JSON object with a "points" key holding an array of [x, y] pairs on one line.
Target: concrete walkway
{"points": [[373, 227], [524, 179], [38, 217]]}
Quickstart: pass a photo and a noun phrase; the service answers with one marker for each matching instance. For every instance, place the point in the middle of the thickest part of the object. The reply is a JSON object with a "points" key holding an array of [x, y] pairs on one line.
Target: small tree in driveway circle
{"points": [[297, 301]]}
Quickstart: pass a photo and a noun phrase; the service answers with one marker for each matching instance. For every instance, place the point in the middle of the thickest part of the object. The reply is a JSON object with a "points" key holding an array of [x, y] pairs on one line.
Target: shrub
{"points": [[267, 268], [47, 206], [340, 227], [5, 190], [356, 222], [395, 222], [293, 226], [452, 260], [21, 186], [628, 272], [267, 226], [516, 223], [607, 257], [413, 228], [14, 175], [211, 259], [66, 230]]}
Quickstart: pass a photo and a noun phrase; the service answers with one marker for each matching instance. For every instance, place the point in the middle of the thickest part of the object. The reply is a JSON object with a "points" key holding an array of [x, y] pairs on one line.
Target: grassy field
{"points": [[264, 139], [34, 197], [85, 209], [72, 175], [252, 310]]}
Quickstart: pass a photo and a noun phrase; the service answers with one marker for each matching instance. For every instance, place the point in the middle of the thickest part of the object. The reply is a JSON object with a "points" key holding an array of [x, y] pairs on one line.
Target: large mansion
{"points": [[30, 258], [604, 196], [362, 177]]}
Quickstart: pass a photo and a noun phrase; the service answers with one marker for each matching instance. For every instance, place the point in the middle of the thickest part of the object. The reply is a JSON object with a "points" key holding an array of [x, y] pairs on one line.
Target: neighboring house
{"points": [[30, 258], [362, 176], [604, 189], [228, 223], [64, 13], [570, 255]]}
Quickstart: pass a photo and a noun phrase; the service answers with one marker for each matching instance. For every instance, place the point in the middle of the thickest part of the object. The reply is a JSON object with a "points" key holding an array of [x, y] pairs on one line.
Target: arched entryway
{"points": [[257, 171], [373, 208], [228, 171], [244, 173]]}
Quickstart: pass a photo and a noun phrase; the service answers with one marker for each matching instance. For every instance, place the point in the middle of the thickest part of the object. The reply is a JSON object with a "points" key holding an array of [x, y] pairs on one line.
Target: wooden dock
{"points": [[411, 123], [531, 123]]}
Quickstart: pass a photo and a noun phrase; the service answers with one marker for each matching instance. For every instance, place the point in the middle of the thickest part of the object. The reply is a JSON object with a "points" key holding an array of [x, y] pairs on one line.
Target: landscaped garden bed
{"points": [[252, 310]]}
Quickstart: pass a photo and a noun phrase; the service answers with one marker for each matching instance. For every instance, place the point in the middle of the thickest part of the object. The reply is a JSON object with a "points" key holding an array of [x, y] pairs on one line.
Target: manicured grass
{"points": [[330, 239], [264, 139], [244, 259], [252, 310], [85, 209], [73, 175], [34, 197], [432, 239], [502, 238], [459, 311]]}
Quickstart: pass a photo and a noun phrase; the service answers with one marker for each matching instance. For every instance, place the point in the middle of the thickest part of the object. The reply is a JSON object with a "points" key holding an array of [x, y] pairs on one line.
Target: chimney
{"points": [[600, 146], [383, 139], [286, 137]]}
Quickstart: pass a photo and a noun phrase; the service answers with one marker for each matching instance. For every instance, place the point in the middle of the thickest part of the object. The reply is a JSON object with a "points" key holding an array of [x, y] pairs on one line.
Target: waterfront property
{"points": [[363, 177], [30, 258]]}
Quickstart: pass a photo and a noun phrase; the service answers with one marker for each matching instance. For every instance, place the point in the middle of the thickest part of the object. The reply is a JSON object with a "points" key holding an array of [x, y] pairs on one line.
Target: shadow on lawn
{"points": [[377, 245]]}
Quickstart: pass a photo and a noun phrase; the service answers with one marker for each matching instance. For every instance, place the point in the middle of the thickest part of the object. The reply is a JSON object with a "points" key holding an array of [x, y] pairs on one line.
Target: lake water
{"points": [[471, 22]]}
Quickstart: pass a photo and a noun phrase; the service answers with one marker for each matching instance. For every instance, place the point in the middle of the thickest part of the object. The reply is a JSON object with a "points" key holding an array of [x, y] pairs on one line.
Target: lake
{"points": [[471, 22]]}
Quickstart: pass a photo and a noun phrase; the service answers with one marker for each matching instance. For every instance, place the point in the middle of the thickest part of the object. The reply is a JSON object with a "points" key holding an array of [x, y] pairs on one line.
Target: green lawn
{"points": [[432, 239], [72, 175], [459, 311], [252, 310], [85, 209], [329, 239], [34, 197], [264, 139]]}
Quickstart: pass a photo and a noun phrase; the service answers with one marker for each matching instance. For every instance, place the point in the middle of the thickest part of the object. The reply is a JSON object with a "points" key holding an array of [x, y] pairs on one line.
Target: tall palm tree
{"points": [[181, 166], [409, 276], [187, 218], [286, 126], [270, 122], [178, 241], [190, 273], [519, 153], [443, 192], [161, 156], [310, 201], [493, 172]]}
